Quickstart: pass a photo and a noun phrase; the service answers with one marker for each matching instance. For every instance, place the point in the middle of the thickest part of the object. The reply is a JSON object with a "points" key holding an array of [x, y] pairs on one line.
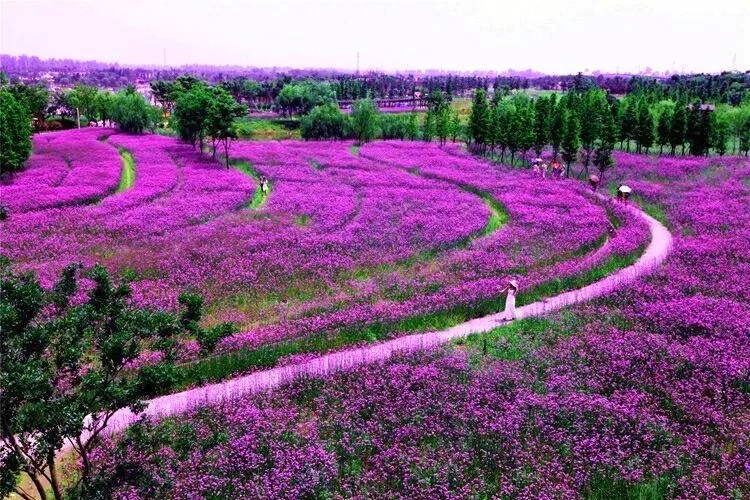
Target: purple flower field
{"points": [[643, 394], [343, 239]]}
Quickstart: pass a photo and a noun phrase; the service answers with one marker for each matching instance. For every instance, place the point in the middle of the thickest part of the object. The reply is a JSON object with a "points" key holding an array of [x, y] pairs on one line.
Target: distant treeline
{"points": [[727, 87]]}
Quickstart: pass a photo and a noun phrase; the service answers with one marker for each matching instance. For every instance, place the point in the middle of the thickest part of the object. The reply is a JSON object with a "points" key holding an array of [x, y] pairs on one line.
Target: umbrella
{"points": [[594, 178], [538, 160], [624, 189]]}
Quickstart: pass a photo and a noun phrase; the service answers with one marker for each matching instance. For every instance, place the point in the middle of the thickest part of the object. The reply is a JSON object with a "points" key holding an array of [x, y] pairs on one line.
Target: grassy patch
{"points": [[510, 342], [602, 488], [259, 197], [166, 132], [655, 210], [266, 129], [127, 178], [302, 220], [354, 150]]}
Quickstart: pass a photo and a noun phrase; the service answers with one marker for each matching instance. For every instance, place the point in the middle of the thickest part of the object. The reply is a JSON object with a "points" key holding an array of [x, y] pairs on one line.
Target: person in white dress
{"points": [[510, 301]]}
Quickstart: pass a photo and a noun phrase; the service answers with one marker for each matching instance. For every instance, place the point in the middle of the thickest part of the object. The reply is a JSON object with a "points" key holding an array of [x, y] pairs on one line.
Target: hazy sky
{"points": [[552, 36]]}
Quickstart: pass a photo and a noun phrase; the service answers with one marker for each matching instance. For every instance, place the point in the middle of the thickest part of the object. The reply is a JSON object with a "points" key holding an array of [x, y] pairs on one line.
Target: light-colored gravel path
{"points": [[173, 404]]}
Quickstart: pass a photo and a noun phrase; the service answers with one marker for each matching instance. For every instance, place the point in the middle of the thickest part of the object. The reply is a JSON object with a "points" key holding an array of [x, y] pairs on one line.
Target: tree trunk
{"points": [[53, 476]]}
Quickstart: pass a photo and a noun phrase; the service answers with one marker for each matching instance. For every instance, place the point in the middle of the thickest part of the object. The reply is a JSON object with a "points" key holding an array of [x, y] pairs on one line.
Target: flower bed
{"points": [[643, 394], [343, 241]]}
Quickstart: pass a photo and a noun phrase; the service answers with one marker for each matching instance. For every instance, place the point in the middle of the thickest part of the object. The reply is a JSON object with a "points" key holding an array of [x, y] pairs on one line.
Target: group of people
{"points": [[623, 191], [540, 168]]}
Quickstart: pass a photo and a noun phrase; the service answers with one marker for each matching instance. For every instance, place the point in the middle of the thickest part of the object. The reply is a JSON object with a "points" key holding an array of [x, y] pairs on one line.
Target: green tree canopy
{"points": [[364, 120], [190, 112], [301, 98], [480, 120], [15, 133], [219, 119], [35, 98], [64, 369], [323, 122], [131, 112], [83, 98]]}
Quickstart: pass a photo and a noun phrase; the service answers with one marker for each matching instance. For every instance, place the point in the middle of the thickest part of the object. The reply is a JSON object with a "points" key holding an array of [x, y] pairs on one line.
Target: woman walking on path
{"points": [[510, 301]]}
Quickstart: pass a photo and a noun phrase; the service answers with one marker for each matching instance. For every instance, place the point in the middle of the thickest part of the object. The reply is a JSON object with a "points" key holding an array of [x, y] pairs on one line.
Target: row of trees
{"points": [[590, 123], [25, 108], [519, 124], [366, 123], [83, 102]]}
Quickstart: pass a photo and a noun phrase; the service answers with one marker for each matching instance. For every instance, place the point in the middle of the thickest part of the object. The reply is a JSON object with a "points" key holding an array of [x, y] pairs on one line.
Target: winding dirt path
{"points": [[173, 404]]}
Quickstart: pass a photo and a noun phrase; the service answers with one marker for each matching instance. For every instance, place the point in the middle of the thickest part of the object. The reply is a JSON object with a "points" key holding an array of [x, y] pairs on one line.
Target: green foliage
{"points": [[63, 362], [103, 104], [132, 112], [664, 123], [83, 98], [719, 134], [364, 120], [442, 121], [480, 120], [571, 140], [522, 124], [644, 132], [201, 111], [605, 144], [189, 113], [393, 125], [412, 127], [542, 123], [593, 109], [698, 134], [678, 127], [323, 122], [15, 133], [628, 121], [744, 138], [35, 98], [163, 94], [454, 126], [219, 119], [127, 178], [301, 98], [557, 128]]}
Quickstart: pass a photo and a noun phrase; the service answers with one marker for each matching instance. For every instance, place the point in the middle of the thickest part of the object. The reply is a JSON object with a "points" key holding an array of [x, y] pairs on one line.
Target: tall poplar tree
{"points": [[479, 120]]}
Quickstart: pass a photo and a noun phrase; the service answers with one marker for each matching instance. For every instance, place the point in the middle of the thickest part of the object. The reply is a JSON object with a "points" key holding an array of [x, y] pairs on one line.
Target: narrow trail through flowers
{"points": [[173, 404]]}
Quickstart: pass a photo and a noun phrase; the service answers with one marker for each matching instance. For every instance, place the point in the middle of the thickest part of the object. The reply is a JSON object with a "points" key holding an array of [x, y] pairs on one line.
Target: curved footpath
{"points": [[173, 404]]}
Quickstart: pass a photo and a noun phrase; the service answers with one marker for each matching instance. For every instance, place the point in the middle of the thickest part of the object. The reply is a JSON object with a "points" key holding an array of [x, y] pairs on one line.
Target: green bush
{"points": [[324, 122], [15, 133]]}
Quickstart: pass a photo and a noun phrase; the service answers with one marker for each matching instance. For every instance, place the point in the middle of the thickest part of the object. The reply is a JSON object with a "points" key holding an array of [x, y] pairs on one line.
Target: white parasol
{"points": [[624, 189]]}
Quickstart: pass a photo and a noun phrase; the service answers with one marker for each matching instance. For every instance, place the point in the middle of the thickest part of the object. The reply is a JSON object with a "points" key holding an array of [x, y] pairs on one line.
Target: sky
{"points": [[550, 36]]}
